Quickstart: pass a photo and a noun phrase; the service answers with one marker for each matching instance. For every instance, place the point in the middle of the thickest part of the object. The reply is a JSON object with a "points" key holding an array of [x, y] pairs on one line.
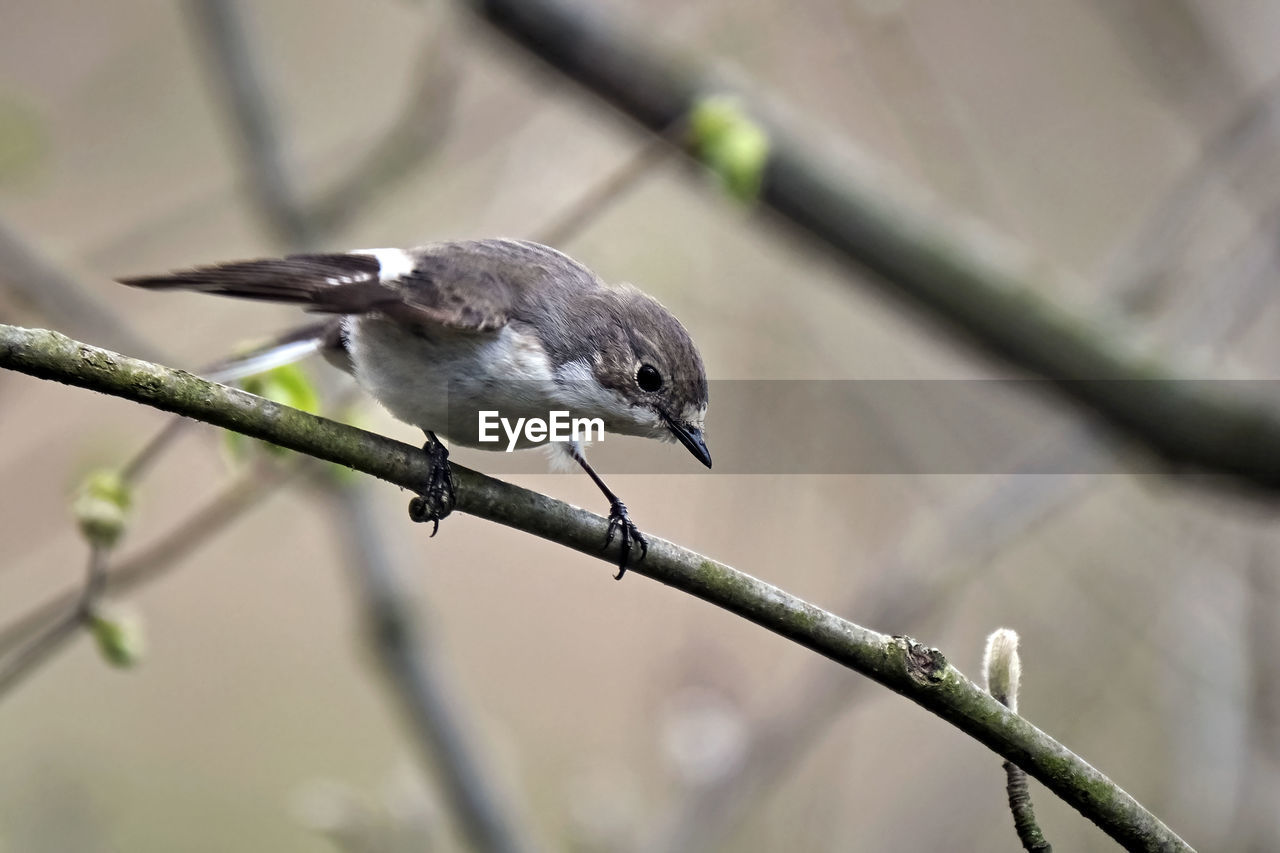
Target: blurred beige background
{"points": [[1143, 605]]}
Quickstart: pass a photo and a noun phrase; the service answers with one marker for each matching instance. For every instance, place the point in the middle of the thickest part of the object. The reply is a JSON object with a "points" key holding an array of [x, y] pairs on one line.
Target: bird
{"points": [[445, 332]]}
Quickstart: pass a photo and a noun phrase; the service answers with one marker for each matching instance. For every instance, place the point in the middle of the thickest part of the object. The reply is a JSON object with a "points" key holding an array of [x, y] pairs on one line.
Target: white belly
{"points": [[442, 385]]}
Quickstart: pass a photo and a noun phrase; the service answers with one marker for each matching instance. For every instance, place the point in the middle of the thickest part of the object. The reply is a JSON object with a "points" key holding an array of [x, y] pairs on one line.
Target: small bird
{"points": [[445, 332]]}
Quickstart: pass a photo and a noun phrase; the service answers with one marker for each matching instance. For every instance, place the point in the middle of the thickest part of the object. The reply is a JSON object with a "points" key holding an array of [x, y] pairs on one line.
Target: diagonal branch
{"points": [[405, 146], [235, 68], [233, 63], [903, 665], [240, 495], [35, 278], [66, 625], [983, 287], [487, 818]]}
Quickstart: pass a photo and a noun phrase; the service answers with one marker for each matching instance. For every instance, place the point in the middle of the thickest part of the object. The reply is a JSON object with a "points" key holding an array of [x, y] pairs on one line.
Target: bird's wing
{"points": [[431, 287]]}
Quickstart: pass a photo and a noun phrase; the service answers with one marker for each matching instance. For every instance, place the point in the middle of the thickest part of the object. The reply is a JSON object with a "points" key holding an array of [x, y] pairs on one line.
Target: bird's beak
{"points": [[692, 439]]}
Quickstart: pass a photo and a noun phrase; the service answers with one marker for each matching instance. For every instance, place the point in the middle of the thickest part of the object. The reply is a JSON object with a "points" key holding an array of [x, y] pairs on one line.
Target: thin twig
{"points": [[234, 67], [1180, 55], [903, 665], [241, 495], [487, 818], [25, 660], [36, 279], [146, 456], [1024, 816], [1254, 825], [1002, 672], [415, 135], [568, 223], [1145, 261], [984, 287]]}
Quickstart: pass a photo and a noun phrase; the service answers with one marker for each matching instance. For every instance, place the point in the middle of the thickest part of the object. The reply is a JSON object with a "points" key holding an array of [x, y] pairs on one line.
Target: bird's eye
{"points": [[648, 378]]}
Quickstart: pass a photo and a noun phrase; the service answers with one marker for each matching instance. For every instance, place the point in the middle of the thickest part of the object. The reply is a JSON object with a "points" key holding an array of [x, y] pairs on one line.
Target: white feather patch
{"points": [[265, 360], [392, 263], [560, 455], [345, 279], [580, 388]]}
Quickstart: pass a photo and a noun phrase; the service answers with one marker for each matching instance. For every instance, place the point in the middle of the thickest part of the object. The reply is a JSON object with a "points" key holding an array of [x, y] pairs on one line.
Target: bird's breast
{"points": [[447, 382]]}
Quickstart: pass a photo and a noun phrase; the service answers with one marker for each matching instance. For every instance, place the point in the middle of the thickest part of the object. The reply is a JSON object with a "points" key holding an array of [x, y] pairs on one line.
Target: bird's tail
{"points": [[318, 282], [324, 337]]}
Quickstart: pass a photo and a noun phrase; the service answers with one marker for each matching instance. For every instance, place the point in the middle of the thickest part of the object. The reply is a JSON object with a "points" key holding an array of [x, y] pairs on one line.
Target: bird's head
{"points": [[655, 372]]}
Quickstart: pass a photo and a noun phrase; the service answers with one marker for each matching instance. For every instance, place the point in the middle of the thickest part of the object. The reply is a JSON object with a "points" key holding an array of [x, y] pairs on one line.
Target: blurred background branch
{"points": [[62, 626], [36, 280], [234, 64], [418, 131], [414, 673], [980, 284], [943, 551]]}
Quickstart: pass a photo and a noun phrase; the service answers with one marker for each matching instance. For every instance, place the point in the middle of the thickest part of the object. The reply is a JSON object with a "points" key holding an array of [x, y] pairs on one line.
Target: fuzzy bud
{"points": [[1002, 668], [120, 638], [101, 507]]}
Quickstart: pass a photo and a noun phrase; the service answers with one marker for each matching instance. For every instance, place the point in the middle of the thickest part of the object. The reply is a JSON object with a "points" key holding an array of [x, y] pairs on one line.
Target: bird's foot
{"points": [[629, 536], [437, 499]]}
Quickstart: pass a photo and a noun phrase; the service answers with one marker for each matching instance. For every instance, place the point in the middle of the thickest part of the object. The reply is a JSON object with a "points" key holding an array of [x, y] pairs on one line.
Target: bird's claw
{"points": [[620, 524], [437, 499]]}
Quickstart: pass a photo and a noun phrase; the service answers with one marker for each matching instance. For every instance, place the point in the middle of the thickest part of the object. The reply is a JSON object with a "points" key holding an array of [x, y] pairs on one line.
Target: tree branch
{"points": [[233, 65], [35, 278], [920, 673], [486, 819], [984, 287], [406, 145], [62, 629], [238, 497]]}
